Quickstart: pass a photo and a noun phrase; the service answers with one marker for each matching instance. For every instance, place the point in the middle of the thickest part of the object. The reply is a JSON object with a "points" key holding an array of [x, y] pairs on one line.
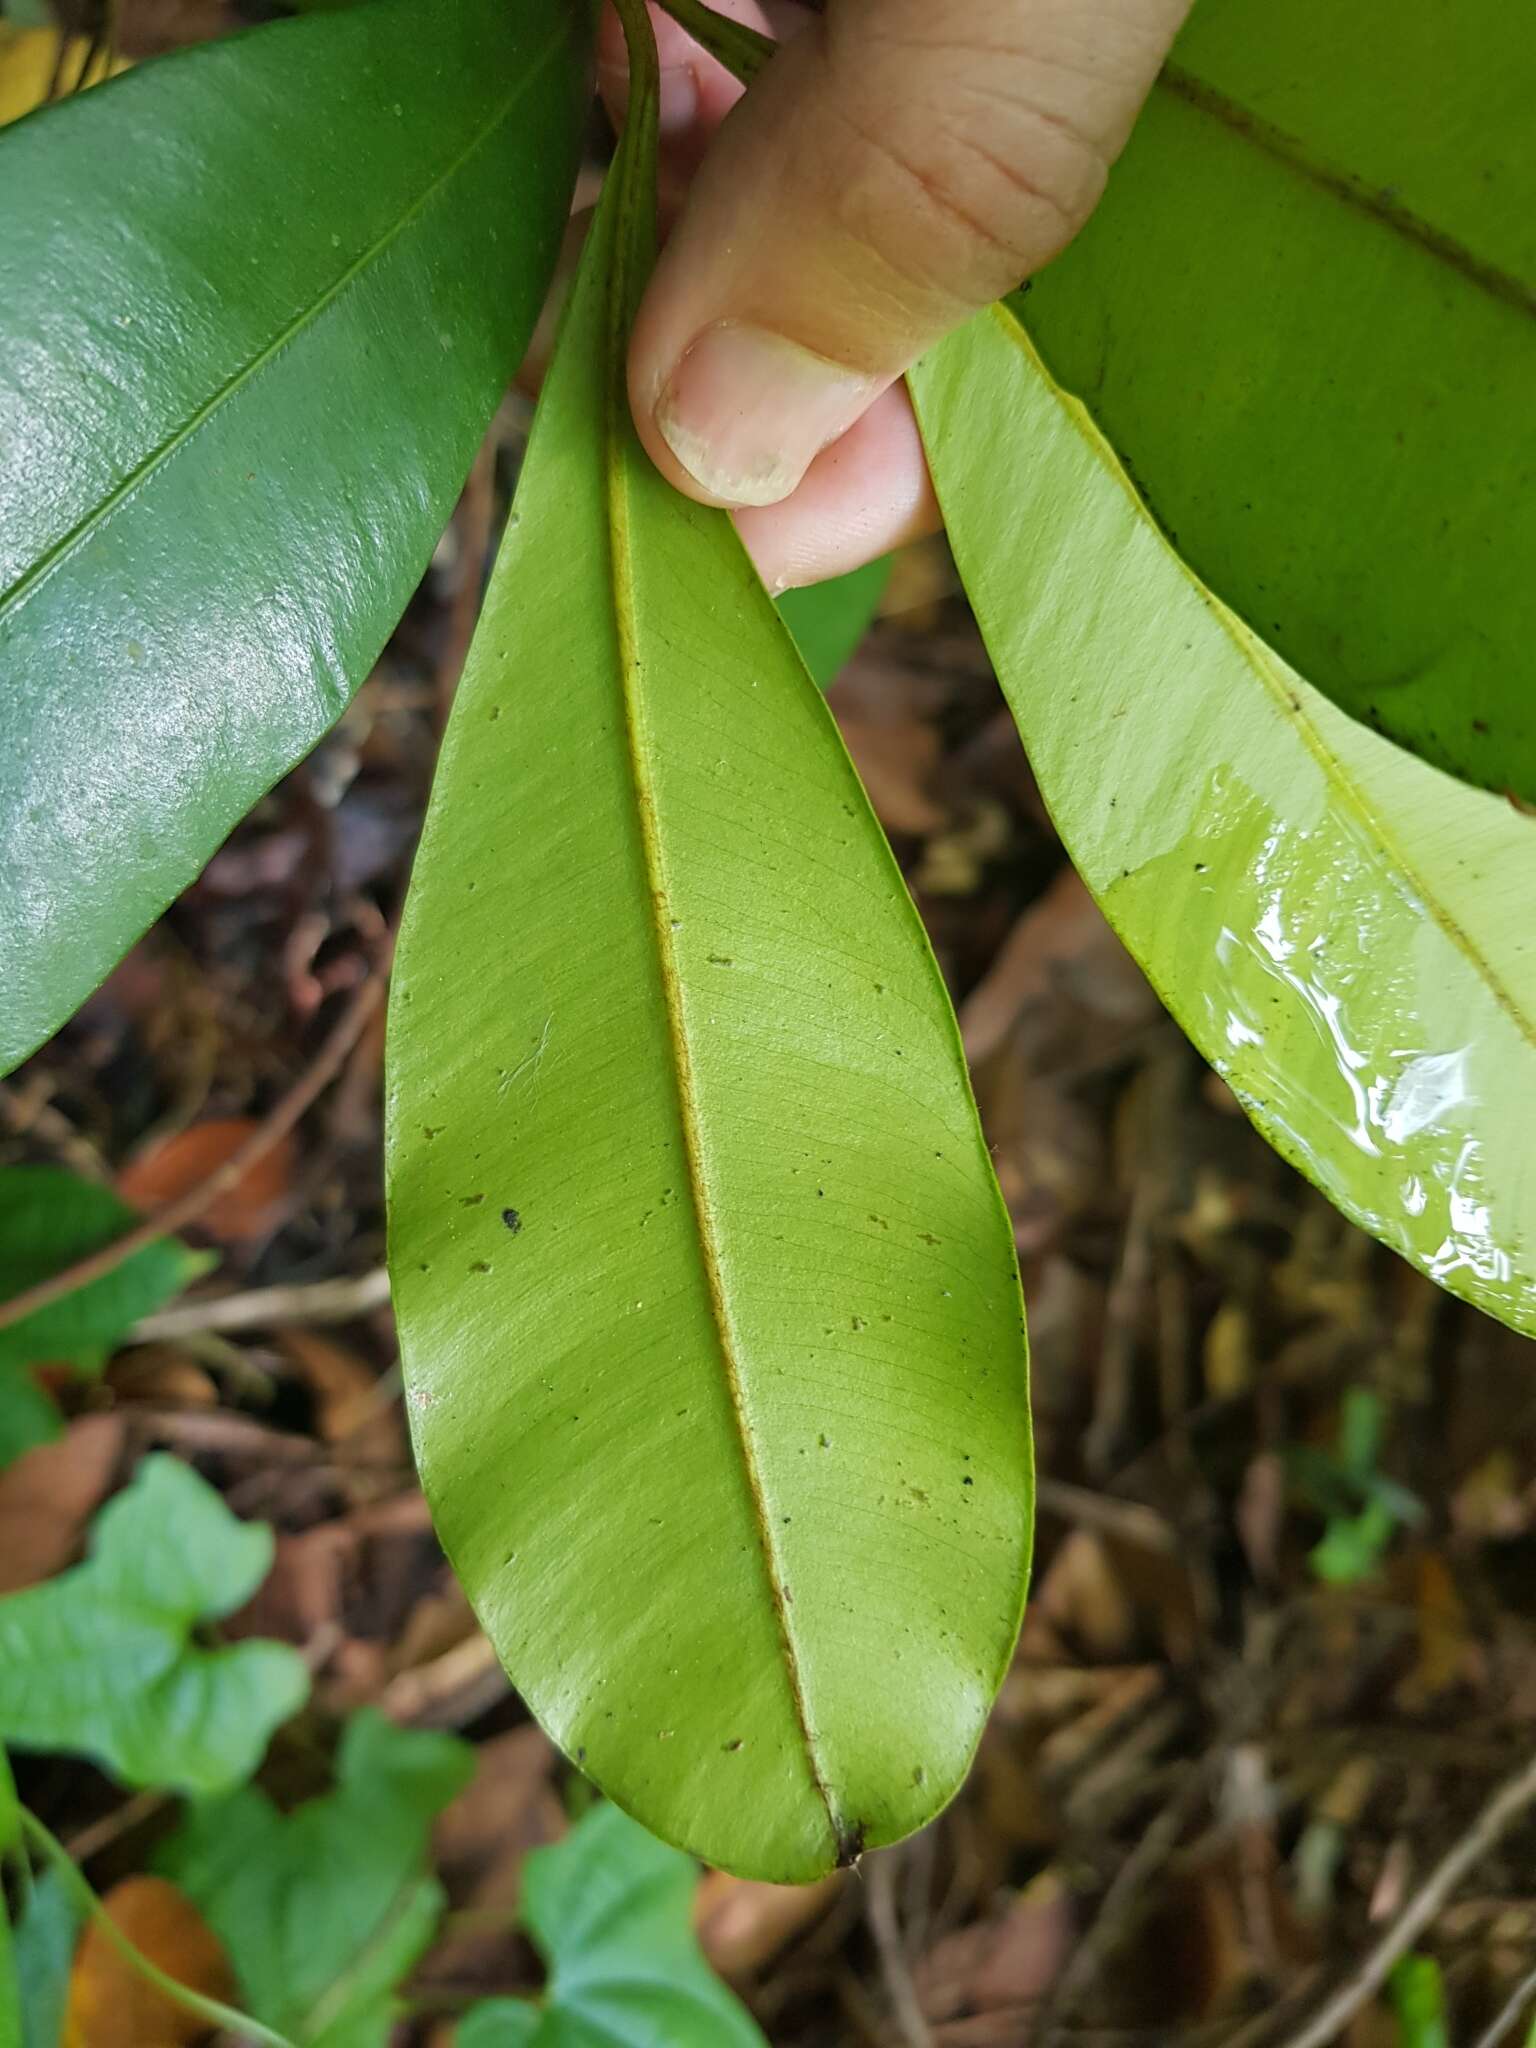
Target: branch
{"points": [[186, 1208], [313, 1301], [1498, 1816]]}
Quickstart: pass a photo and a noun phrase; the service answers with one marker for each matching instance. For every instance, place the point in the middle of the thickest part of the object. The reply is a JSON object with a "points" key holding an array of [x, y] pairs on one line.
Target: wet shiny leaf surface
{"points": [[1345, 932], [233, 421]]}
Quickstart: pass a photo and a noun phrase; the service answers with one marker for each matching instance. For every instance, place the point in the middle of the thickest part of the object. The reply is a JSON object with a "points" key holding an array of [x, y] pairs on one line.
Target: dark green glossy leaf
{"points": [[102, 1660], [48, 1220], [1305, 314], [828, 620], [255, 311], [1344, 931], [707, 1300], [324, 1910], [610, 1910]]}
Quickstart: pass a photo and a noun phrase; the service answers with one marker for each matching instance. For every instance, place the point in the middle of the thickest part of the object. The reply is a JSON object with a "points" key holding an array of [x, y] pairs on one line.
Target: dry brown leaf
{"points": [[1002, 1963], [303, 1596], [110, 2004], [346, 1394], [480, 1843], [894, 761], [742, 1924], [49, 1494], [1082, 1595], [1448, 1652], [171, 1166], [161, 1374], [1061, 925]]}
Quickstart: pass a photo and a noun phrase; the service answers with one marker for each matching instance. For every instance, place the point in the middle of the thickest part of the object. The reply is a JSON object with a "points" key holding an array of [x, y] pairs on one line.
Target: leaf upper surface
{"points": [[1344, 931], [324, 1910], [1305, 315], [610, 1910], [238, 392], [708, 1303], [101, 1659], [48, 1220]]}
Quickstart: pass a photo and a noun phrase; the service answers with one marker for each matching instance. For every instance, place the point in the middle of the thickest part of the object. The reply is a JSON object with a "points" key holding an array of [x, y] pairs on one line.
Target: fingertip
{"points": [[696, 91], [866, 494]]}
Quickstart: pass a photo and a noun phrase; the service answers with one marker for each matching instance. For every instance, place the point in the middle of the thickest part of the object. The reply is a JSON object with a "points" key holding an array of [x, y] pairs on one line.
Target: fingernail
{"points": [[677, 105], [747, 412]]}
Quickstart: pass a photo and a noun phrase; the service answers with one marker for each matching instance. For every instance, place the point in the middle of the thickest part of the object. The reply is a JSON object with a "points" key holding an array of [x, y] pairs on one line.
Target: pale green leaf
{"points": [[102, 1660], [1306, 314], [707, 1299], [1345, 932], [324, 1910], [610, 1910], [259, 304], [48, 1220]]}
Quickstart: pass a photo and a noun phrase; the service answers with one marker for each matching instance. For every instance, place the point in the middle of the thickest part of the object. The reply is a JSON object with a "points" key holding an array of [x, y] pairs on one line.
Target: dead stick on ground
{"points": [[174, 1215], [1505, 1807], [1509, 2014], [310, 1301], [880, 1903]]}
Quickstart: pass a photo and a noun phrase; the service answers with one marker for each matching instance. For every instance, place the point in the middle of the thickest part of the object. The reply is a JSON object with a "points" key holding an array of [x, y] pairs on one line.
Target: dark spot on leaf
{"points": [[479, 1266], [734, 1746], [512, 1220], [470, 1201]]}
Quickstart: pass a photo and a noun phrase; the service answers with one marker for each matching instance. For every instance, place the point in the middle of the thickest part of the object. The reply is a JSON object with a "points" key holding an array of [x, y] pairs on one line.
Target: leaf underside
{"points": [[259, 300], [1305, 315], [1344, 931], [708, 1304]]}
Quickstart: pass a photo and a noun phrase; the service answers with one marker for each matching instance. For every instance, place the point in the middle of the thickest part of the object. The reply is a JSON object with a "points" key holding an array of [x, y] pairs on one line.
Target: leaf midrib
{"points": [[617, 433], [58, 552], [1257, 658], [1343, 186]]}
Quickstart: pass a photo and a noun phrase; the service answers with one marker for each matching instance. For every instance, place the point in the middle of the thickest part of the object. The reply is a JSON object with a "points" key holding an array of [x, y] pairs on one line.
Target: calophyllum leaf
{"points": [[1344, 931], [708, 1304], [257, 302], [1305, 314]]}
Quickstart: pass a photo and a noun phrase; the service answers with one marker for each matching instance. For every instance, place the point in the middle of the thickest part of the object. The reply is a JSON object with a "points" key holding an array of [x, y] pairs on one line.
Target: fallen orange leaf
{"points": [[110, 2004], [171, 1166]]}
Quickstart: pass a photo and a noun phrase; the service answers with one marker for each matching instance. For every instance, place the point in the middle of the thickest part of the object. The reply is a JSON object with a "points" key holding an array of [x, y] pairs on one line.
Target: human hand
{"points": [[898, 165]]}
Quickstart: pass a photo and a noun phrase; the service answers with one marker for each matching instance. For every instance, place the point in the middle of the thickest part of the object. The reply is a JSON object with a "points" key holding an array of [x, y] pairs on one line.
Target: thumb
{"points": [[897, 166]]}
